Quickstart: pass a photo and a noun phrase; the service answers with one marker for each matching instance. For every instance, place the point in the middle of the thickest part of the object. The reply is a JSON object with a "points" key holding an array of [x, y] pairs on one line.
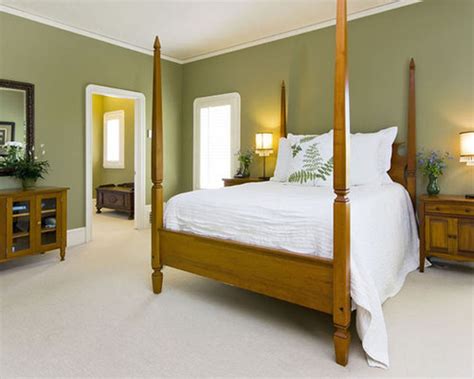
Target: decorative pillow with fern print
{"points": [[311, 160]]}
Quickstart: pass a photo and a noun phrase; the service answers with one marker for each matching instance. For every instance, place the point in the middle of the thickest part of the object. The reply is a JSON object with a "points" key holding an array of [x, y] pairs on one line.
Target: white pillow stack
{"points": [[311, 161], [371, 155], [283, 161], [308, 160]]}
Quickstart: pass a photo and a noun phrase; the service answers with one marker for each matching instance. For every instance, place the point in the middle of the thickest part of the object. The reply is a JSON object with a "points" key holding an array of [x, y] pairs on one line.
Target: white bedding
{"points": [[384, 239]]}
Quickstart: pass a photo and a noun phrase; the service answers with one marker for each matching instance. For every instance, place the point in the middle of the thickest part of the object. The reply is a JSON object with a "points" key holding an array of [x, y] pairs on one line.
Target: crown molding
{"points": [[302, 30], [309, 28], [82, 32]]}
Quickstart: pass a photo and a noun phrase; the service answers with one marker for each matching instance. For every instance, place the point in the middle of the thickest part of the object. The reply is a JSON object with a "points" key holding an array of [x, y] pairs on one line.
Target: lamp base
{"points": [[470, 196]]}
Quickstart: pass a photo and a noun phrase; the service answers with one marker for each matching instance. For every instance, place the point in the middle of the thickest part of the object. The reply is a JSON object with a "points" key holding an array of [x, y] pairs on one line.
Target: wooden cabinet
{"points": [[32, 221], [446, 228], [229, 182]]}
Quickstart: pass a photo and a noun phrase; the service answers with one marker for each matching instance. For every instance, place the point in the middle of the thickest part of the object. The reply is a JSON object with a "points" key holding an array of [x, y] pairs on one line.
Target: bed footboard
{"points": [[299, 279]]}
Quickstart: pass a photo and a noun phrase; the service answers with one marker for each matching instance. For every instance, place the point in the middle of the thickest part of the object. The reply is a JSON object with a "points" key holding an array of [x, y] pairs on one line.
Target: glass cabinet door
{"points": [[20, 226], [48, 210]]}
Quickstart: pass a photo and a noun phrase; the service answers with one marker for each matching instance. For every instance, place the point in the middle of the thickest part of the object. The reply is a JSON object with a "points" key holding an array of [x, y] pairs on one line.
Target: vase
{"points": [[245, 171], [28, 183], [433, 186]]}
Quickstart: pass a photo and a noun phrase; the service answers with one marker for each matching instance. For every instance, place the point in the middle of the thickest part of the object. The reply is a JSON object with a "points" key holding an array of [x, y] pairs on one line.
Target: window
{"points": [[114, 139], [216, 139]]}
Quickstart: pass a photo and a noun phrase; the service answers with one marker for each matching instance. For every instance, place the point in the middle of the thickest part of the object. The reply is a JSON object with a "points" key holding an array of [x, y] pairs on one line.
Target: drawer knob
{"points": [[468, 210], [437, 208]]}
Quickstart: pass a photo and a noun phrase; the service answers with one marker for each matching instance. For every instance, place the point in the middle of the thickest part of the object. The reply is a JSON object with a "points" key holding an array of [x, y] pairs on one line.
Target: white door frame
{"points": [[233, 99], [141, 221]]}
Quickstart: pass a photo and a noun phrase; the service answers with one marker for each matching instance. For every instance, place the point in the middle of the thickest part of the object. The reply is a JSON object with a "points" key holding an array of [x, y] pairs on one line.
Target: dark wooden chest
{"points": [[118, 197]]}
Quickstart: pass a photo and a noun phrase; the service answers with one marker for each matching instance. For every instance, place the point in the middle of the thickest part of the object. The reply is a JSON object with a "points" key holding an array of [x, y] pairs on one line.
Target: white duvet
{"points": [[384, 239]]}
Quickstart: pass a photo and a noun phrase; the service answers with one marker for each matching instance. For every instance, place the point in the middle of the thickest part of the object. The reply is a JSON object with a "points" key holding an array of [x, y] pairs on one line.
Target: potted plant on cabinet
{"points": [[245, 159], [23, 165], [432, 163]]}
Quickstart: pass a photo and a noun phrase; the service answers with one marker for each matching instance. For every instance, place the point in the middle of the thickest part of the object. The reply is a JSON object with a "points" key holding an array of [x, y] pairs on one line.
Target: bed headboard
{"points": [[403, 167]]}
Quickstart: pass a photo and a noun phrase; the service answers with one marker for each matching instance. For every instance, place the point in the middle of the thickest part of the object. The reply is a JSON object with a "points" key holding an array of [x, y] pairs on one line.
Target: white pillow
{"points": [[283, 161], [282, 166], [311, 160], [371, 153]]}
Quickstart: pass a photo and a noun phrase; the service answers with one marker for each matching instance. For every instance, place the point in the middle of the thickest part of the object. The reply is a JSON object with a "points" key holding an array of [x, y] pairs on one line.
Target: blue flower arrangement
{"points": [[432, 164]]}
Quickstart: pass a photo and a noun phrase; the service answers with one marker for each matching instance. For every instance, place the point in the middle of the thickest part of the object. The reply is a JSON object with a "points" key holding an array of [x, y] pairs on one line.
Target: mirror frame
{"points": [[29, 112]]}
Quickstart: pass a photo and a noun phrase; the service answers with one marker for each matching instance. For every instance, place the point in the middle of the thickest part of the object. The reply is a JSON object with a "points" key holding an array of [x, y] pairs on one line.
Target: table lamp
{"points": [[466, 140], [264, 147]]}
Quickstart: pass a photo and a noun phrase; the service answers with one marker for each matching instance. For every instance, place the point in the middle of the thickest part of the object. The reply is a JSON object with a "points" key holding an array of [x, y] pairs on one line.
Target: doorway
{"points": [[114, 159]]}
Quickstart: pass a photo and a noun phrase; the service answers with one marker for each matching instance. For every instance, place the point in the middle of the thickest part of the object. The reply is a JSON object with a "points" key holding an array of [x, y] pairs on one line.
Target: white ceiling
{"points": [[192, 29]]}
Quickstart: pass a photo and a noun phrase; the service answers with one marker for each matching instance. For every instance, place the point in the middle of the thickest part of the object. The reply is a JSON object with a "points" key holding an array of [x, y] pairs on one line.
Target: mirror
{"points": [[16, 115]]}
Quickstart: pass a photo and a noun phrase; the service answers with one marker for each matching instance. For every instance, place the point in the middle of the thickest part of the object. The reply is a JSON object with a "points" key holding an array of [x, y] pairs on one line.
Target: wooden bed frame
{"points": [[314, 282]]}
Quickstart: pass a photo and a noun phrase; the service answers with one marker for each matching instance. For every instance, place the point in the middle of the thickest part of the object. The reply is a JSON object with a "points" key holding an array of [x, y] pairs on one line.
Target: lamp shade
{"points": [[264, 144], [466, 140]]}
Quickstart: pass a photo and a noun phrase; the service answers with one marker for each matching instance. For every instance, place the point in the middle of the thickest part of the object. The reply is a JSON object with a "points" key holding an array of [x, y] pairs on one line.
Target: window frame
{"points": [[120, 164], [232, 99]]}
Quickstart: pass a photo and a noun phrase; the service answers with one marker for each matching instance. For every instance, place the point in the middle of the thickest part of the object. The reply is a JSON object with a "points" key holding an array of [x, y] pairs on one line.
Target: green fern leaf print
{"points": [[307, 139], [295, 149], [314, 166]]}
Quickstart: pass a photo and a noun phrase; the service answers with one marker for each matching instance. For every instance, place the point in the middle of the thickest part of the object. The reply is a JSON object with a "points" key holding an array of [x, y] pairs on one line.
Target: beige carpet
{"points": [[94, 315]]}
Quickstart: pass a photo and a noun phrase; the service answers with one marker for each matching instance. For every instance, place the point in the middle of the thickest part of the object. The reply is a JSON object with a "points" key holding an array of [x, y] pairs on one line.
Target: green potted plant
{"points": [[432, 163], [245, 159], [24, 165]]}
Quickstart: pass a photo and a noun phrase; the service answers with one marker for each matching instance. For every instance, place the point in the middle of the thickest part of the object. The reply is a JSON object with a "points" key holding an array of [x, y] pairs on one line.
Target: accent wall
{"points": [[439, 34], [61, 64]]}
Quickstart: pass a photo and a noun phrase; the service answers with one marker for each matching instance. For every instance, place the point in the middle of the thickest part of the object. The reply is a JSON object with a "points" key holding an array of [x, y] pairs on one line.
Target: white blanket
{"points": [[384, 238]]}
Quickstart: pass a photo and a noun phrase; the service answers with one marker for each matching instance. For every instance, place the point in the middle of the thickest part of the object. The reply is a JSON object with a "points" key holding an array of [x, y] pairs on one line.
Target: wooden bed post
{"points": [[341, 227], [156, 171], [411, 136], [283, 110]]}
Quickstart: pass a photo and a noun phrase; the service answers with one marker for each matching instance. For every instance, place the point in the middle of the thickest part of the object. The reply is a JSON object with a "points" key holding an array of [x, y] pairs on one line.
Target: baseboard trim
{"points": [[76, 237]]}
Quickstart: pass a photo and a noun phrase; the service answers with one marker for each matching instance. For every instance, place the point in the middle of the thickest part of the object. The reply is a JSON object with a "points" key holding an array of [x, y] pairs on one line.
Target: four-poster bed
{"points": [[315, 282]]}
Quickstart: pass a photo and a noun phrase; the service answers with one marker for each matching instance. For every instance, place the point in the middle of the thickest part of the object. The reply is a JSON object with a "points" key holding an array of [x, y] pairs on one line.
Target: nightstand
{"points": [[446, 228], [229, 182]]}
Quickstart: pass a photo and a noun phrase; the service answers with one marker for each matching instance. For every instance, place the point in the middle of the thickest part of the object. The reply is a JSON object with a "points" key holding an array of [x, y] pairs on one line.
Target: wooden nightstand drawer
{"points": [[453, 209], [446, 228]]}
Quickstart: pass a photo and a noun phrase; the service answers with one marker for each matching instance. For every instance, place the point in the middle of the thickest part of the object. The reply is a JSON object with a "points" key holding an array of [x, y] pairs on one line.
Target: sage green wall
{"points": [[437, 33], [12, 109], [61, 64], [101, 175]]}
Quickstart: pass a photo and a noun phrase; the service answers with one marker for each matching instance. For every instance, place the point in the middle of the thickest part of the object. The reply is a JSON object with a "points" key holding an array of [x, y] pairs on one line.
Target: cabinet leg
{"points": [[62, 253], [98, 210], [422, 261], [130, 216]]}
